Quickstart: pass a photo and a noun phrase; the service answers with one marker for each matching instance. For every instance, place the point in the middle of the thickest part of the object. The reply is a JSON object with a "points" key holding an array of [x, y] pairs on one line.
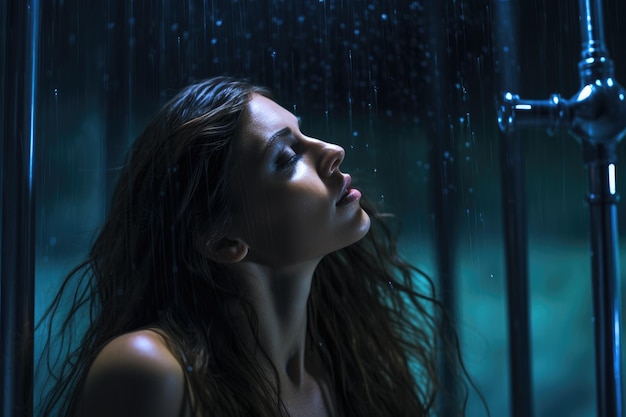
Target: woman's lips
{"points": [[348, 195]]}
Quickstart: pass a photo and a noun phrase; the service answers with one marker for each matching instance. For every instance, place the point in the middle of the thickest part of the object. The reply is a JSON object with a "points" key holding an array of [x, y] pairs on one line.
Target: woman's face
{"points": [[292, 203]]}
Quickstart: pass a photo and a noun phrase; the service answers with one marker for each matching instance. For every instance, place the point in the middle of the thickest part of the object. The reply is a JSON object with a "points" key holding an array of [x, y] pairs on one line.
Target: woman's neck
{"points": [[279, 297]]}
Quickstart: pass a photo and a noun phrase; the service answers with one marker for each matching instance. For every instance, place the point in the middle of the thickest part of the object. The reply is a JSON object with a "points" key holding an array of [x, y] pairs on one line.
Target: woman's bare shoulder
{"points": [[134, 375]]}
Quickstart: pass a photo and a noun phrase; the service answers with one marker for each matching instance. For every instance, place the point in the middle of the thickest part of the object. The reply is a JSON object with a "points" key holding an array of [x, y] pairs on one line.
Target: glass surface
{"points": [[361, 74]]}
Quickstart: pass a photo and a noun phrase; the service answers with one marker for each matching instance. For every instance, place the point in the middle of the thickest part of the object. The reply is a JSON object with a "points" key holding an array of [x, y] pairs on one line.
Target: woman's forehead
{"points": [[265, 114], [262, 119]]}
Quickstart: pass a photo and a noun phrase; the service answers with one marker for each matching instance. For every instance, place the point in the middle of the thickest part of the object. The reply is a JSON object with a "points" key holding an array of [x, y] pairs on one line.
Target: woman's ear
{"points": [[226, 250]]}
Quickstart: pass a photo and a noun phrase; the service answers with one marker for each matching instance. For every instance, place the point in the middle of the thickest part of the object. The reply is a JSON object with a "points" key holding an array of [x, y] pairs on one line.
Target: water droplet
{"points": [[357, 32], [416, 6], [213, 41], [355, 133], [53, 241], [174, 27], [189, 368], [218, 22], [384, 16], [375, 170]]}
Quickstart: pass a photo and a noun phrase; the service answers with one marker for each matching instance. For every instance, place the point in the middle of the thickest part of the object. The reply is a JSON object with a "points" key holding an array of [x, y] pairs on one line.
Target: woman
{"points": [[239, 273]]}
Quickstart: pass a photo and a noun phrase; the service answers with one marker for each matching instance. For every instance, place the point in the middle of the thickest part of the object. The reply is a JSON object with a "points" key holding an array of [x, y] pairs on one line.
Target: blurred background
{"points": [[399, 84]]}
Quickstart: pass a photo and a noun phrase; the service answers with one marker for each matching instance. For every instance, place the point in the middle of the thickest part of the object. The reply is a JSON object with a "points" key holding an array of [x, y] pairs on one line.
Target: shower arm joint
{"points": [[595, 116]]}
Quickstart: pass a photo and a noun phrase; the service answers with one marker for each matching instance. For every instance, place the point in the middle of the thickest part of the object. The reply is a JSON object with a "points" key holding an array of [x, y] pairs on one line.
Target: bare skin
{"points": [[134, 375], [285, 221]]}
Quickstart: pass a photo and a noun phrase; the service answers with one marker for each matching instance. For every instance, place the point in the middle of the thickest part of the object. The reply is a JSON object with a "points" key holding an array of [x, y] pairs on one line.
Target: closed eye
{"points": [[289, 155], [286, 161]]}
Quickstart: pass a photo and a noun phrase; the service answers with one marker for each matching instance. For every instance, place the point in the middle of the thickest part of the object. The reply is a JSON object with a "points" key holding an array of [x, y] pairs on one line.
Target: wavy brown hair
{"points": [[373, 317]]}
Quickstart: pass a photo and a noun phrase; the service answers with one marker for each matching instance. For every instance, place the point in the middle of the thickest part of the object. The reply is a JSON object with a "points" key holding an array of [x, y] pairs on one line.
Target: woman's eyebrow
{"points": [[281, 133], [286, 131]]}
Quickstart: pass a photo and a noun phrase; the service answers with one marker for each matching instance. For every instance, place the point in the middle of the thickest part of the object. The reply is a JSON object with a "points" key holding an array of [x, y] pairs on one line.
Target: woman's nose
{"points": [[331, 157]]}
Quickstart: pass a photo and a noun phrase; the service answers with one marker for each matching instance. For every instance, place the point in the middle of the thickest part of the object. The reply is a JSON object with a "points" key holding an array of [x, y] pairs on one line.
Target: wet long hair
{"points": [[373, 317]]}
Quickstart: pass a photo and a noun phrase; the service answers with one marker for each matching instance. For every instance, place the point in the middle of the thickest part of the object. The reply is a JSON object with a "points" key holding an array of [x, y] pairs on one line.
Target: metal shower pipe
{"points": [[595, 116]]}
